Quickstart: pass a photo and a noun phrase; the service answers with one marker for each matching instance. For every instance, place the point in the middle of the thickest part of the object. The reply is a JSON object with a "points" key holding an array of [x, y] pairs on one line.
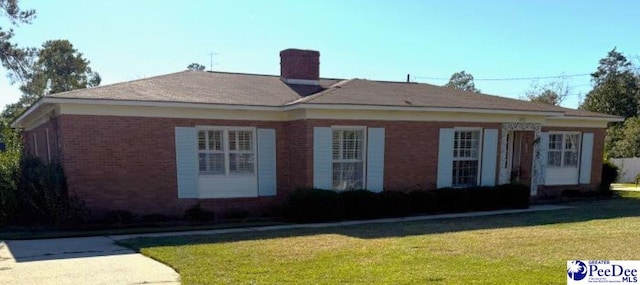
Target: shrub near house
{"points": [[316, 205]]}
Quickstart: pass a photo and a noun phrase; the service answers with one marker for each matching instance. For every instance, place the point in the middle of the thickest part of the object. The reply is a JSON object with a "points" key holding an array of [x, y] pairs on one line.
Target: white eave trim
{"points": [[36, 106], [419, 109], [608, 119], [302, 106]]}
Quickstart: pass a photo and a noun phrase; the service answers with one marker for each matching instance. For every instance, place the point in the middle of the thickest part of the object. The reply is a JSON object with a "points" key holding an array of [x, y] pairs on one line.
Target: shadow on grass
{"points": [[584, 211]]}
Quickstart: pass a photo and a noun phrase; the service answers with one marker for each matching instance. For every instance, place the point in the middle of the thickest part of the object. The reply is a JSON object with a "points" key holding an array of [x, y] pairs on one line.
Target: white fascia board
{"points": [[52, 100], [290, 107], [17, 123], [421, 109], [160, 104], [606, 119]]}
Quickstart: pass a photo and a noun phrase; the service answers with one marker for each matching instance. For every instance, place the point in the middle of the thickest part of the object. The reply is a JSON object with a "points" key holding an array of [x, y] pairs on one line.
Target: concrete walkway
{"points": [[88, 260], [97, 260], [535, 208]]}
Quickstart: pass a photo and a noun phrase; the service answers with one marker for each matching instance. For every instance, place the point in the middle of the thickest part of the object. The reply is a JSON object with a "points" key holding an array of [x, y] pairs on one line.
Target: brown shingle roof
{"points": [[203, 87], [269, 90]]}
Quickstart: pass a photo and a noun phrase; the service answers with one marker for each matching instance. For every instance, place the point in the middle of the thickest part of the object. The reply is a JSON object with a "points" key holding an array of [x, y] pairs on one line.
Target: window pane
{"points": [[555, 141], [352, 145], [241, 163], [215, 140], [347, 175], [465, 173], [216, 163], [570, 158], [554, 159], [466, 153], [245, 140], [335, 141], [202, 162], [233, 140], [348, 145], [571, 141], [466, 144], [202, 140]]}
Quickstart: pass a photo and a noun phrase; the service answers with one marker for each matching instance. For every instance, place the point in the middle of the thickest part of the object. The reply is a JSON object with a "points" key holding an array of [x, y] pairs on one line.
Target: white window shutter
{"points": [[375, 159], [544, 154], [267, 162], [586, 158], [322, 156], [489, 157], [445, 158], [186, 162]]}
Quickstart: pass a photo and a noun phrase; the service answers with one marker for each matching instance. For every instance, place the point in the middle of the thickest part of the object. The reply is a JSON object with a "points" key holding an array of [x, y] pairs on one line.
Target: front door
{"points": [[520, 156]]}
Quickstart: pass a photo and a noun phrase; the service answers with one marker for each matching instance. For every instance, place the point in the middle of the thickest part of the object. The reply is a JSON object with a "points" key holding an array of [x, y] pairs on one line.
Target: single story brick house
{"points": [[244, 141]]}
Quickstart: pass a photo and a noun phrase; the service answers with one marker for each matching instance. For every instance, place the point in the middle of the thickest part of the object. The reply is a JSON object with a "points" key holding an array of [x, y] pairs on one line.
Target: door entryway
{"points": [[519, 158]]}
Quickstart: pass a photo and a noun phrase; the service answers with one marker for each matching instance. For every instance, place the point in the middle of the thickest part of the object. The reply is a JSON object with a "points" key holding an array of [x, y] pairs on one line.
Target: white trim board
{"points": [[297, 111]]}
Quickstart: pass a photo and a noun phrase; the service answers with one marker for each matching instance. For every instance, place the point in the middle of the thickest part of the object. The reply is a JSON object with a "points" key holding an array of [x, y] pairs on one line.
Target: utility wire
{"points": [[507, 79], [515, 78]]}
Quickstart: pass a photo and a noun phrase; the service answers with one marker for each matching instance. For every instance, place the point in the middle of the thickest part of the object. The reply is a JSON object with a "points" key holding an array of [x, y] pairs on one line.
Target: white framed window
{"points": [[226, 151], [466, 157], [348, 158], [563, 150]]}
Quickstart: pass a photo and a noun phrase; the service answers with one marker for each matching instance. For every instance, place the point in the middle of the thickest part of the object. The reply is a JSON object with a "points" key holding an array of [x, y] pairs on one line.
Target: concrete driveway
{"points": [[88, 260]]}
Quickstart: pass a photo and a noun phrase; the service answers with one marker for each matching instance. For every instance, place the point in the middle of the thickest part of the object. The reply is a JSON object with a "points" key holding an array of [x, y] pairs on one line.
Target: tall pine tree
{"points": [[616, 90]]}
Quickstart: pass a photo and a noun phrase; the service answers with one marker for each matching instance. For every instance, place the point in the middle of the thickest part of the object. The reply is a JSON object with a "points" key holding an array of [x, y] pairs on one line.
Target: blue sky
{"points": [[378, 40]]}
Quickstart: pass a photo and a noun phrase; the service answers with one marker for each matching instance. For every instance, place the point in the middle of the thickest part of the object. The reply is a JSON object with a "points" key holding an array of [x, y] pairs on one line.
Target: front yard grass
{"points": [[528, 248]]}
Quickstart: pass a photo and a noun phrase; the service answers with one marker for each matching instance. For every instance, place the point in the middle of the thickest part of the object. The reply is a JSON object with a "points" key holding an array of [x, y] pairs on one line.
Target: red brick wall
{"points": [[300, 64], [411, 150], [129, 162]]}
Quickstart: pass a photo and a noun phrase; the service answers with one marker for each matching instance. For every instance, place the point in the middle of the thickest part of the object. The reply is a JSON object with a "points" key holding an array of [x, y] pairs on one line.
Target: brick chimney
{"points": [[299, 66]]}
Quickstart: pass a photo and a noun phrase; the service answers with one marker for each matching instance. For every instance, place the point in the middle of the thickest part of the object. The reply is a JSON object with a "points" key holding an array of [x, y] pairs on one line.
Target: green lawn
{"points": [[528, 248]]}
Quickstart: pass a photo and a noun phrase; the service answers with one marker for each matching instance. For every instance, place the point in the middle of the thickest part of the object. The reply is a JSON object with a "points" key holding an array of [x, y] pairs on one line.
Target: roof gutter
{"points": [[17, 123], [421, 109], [608, 119]]}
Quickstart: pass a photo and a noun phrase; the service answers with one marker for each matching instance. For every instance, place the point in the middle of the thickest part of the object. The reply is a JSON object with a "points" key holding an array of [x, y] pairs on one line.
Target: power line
{"points": [[509, 78], [515, 78]]}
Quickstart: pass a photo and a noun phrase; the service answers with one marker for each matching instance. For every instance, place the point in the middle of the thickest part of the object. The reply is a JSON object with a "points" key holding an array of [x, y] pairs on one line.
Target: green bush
{"points": [[197, 214], [9, 170], [453, 200], [571, 193], [514, 196], [394, 203], [313, 205], [43, 197], [483, 198], [154, 218], [236, 214], [118, 217], [423, 201], [609, 175], [360, 204]]}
